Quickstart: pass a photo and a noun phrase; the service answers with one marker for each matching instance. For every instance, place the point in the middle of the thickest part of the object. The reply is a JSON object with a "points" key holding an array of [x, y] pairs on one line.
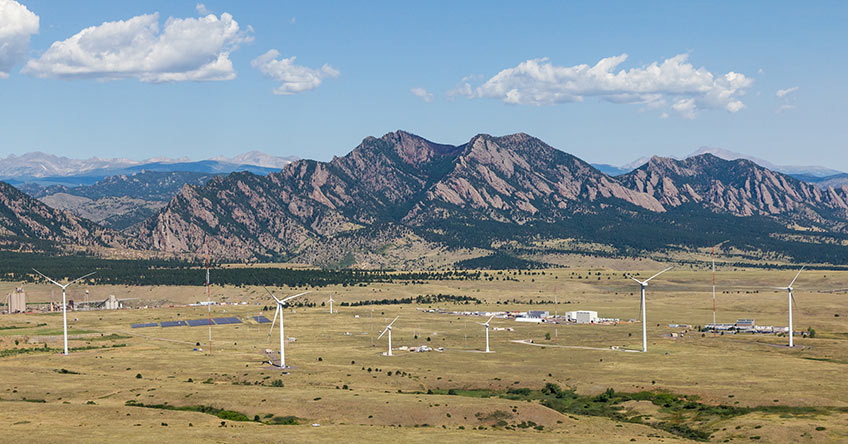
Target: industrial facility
{"points": [[16, 301], [582, 317]]}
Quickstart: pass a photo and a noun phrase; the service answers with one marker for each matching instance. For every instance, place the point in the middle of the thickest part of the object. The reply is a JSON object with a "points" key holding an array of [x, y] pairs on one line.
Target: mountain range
{"points": [[403, 201], [817, 175], [47, 169]]}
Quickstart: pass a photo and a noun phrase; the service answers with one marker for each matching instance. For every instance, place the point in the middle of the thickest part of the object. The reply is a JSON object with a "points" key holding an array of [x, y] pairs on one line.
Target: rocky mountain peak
{"points": [[416, 150]]}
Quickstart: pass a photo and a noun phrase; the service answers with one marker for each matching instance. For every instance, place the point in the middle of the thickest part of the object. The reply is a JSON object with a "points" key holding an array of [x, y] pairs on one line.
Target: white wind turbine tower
{"points": [[388, 329], [331, 304], [486, 324], [791, 300], [281, 303], [644, 284], [64, 304]]}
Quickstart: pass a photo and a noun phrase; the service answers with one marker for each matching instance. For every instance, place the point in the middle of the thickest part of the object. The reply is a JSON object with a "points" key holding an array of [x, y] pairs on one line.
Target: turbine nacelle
{"points": [[388, 327], [486, 324], [645, 282]]}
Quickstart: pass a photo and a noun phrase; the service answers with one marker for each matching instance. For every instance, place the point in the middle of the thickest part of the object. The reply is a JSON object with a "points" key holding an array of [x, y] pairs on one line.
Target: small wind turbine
{"points": [[388, 329], [64, 305], [791, 300], [281, 303], [486, 324], [644, 284], [331, 304]]}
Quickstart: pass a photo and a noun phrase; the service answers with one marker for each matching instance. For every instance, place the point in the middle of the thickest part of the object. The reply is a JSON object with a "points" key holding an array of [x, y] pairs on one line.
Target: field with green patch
{"points": [[142, 385]]}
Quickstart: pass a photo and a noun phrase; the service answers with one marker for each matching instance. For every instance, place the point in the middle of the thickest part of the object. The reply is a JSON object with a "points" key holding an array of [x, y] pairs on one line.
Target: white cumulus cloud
{"points": [[673, 80], [787, 91], [17, 24], [189, 49], [423, 94], [295, 78]]}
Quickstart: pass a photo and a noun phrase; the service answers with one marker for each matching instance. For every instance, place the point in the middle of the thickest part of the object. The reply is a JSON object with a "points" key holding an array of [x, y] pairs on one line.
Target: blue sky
{"points": [[376, 52]]}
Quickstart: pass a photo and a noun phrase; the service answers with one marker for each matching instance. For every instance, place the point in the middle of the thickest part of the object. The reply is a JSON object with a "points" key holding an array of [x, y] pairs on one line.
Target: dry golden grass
{"points": [[739, 370]]}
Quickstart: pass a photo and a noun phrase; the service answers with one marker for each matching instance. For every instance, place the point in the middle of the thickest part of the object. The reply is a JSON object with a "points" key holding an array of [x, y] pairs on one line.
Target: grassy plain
{"points": [[795, 395]]}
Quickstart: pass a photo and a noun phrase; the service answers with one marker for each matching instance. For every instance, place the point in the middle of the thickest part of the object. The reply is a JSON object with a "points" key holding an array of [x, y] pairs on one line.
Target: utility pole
{"points": [[714, 299], [556, 314]]}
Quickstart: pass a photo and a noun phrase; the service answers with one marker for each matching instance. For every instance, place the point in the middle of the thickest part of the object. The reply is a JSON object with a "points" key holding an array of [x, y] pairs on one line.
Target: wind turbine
{"points": [[331, 304], [281, 303], [64, 305], [644, 284], [791, 300], [388, 329], [486, 324], [208, 300]]}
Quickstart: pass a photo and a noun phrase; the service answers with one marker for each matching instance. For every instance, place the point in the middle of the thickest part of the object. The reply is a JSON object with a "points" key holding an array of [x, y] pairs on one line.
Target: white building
{"points": [[582, 316], [16, 301], [526, 319]]}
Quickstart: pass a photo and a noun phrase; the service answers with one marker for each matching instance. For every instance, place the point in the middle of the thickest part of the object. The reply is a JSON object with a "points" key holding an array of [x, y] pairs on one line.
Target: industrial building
{"points": [[16, 301], [745, 326], [582, 317]]}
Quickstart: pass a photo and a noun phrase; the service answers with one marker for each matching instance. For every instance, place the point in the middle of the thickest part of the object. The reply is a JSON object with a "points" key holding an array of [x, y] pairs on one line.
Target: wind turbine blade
{"points": [[83, 277], [299, 294], [263, 286], [384, 332], [637, 280], [393, 321], [779, 288], [276, 313], [45, 277], [796, 276], [270, 294], [481, 323], [669, 268], [793, 302], [490, 319]]}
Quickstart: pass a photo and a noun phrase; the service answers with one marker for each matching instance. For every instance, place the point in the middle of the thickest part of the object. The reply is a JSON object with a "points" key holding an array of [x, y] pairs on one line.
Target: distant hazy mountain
{"points": [[835, 181], [257, 158], [117, 202], [814, 171], [611, 170], [49, 169]]}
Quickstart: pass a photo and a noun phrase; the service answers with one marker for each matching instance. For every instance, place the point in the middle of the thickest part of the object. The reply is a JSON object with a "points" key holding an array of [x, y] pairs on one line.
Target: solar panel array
{"points": [[261, 319], [201, 322], [232, 320], [172, 323]]}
